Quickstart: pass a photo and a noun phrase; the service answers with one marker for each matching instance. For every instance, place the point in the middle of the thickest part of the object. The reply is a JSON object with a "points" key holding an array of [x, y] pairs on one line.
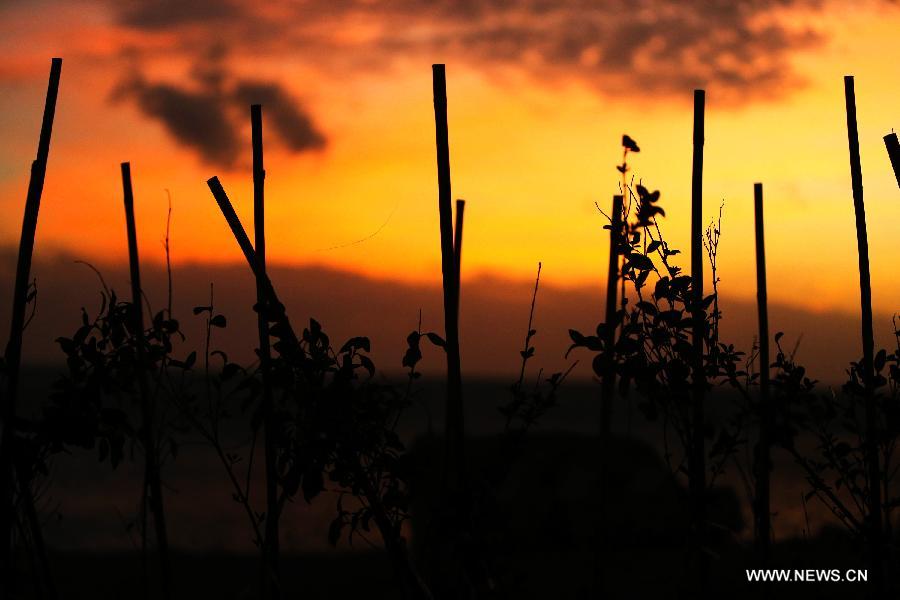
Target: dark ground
{"points": [[540, 529]]}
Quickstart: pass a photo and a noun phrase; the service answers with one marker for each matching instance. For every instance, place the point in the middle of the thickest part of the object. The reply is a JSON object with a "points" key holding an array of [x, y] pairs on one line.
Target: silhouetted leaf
{"points": [[436, 340], [358, 343]]}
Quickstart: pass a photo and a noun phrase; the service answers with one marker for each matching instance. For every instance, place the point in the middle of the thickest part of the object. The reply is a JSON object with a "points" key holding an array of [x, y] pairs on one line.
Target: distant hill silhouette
{"points": [[494, 314]]}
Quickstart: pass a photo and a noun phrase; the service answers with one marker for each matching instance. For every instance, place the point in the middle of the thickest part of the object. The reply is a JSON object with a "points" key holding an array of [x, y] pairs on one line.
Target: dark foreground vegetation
{"points": [[521, 513]]}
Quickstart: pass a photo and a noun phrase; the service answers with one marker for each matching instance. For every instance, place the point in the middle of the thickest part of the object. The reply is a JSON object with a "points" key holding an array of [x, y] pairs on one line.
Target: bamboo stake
{"points": [[13, 354], [457, 246], [766, 422], [697, 457], [608, 386], [612, 278], [271, 581], [413, 586], [454, 470], [876, 553], [893, 149], [148, 408], [240, 236]]}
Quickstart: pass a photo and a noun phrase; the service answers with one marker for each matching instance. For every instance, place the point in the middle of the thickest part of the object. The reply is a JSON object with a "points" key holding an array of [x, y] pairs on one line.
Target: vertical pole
{"points": [[13, 354], [457, 247], [893, 150], [612, 279], [148, 412], [271, 583], [766, 416], [454, 478], [608, 387], [868, 342], [697, 457]]}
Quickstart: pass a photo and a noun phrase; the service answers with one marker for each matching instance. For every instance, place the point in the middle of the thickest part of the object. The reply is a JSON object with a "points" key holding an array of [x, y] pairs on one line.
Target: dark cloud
{"points": [[210, 117], [196, 119], [163, 14], [293, 126], [739, 49]]}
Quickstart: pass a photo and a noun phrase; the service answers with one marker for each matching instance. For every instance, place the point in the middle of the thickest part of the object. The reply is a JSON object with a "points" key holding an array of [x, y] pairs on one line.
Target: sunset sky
{"points": [[540, 93]]}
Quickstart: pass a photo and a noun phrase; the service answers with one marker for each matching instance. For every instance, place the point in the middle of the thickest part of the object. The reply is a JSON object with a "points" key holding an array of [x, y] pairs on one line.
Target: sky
{"points": [[540, 93]]}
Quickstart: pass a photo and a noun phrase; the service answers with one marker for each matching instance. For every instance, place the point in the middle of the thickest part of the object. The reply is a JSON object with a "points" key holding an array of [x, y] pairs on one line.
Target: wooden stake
{"points": [[240, 235], [148, 409], [607, 391], [893, 149], [612, 279], [413, 586], [457, 246], [876, 552], [13, 354], [763, 510], [271, 580], [697, 457], [455, 432]]}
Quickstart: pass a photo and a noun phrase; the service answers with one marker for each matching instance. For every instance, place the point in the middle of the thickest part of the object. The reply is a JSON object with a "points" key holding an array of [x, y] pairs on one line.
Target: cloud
{"points": [[163, 14], [293, 126], [196, 119], [209, 116], [741, 50]]}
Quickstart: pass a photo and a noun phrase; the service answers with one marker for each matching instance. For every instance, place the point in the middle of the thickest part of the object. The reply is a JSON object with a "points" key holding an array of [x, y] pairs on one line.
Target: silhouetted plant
{"points": [[836, 469], [482, 547], [89, 404], [229, 383], [528, 403], [652, 350], [333, 421], [33, 457], [336, 424]]}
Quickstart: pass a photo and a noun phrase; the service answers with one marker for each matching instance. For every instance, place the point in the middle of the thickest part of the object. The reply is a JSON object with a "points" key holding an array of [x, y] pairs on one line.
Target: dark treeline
{"points": [[518, 514]]}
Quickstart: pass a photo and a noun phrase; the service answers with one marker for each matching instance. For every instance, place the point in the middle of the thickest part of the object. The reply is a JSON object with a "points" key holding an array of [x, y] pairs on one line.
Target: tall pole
{"points": [[454, 473], [457, 246], [697, 457], [893, 150], [271, 582], [766, 410], [148, 410], [612, 279], [13, 355], [876, 554], [607, 390]]}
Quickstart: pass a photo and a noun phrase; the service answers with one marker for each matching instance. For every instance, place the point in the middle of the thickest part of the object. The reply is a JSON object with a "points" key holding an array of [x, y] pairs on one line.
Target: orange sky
{"points": [[534, 134]]}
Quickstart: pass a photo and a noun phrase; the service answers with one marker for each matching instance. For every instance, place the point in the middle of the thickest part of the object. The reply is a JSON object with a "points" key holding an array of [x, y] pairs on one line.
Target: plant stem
{"points": [[9, 469], [762, 510], [868, 344], [148, 410], [271, 580], [696, 461]]}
